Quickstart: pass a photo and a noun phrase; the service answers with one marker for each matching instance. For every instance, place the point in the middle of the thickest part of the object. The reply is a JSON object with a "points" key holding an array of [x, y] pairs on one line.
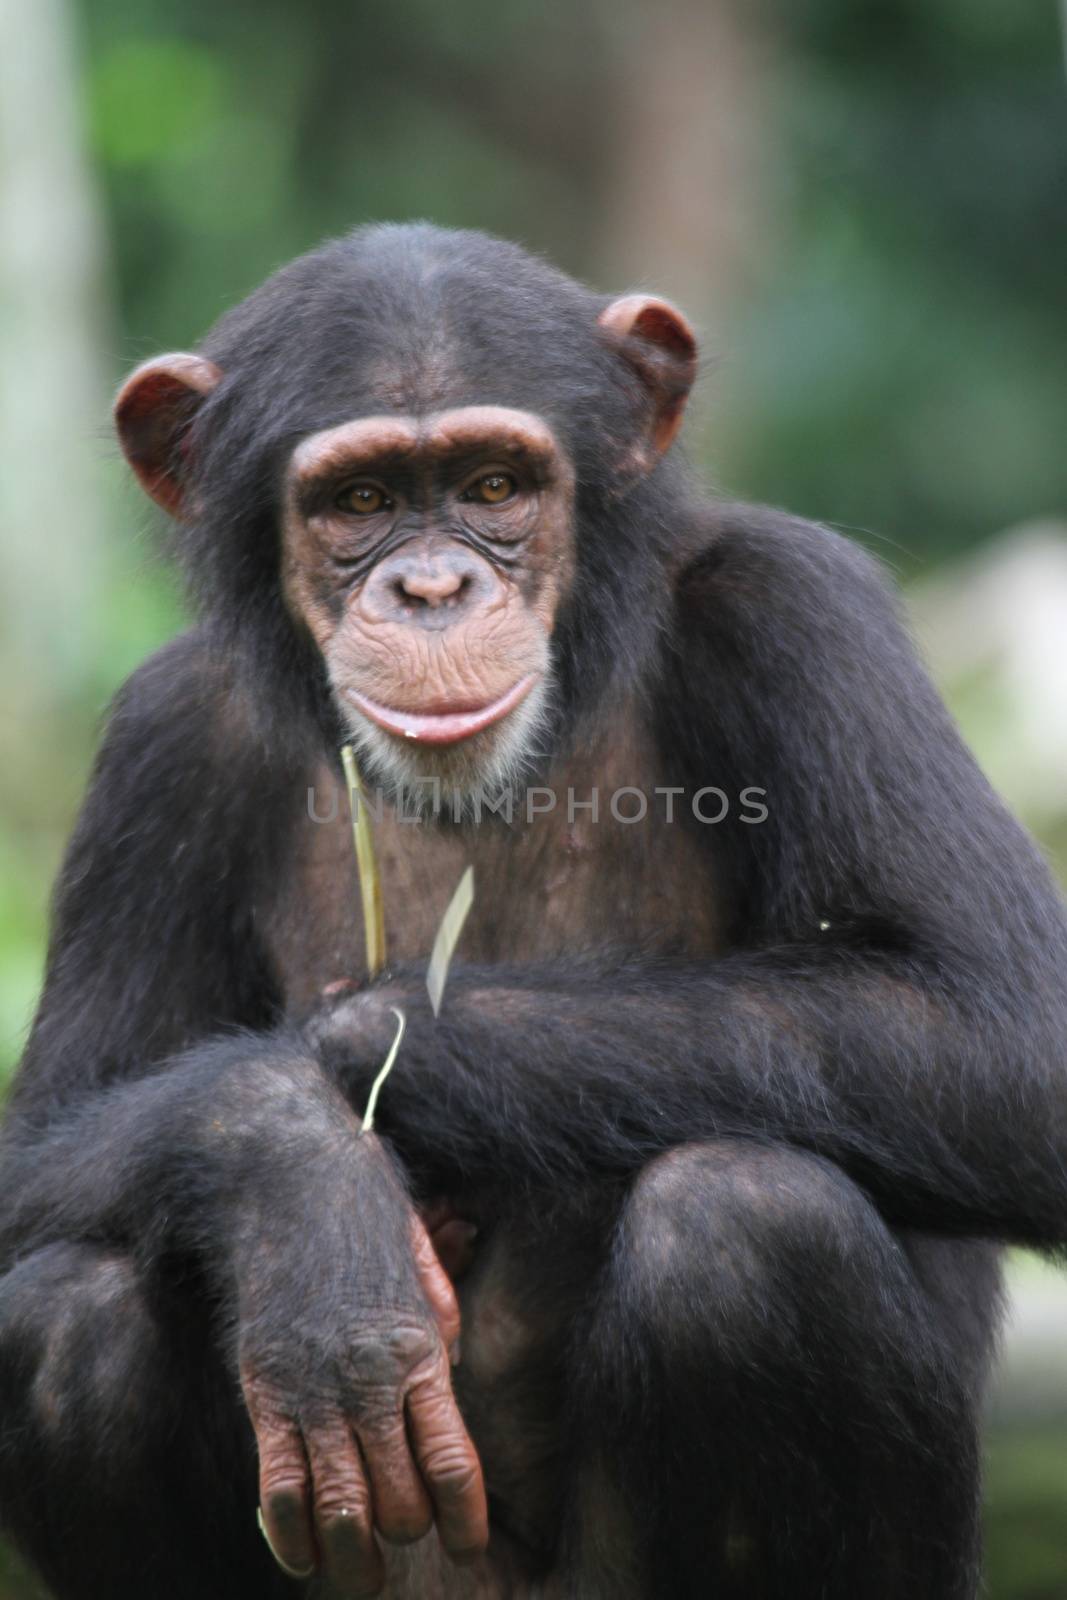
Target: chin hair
{"points": [[454, 779]]}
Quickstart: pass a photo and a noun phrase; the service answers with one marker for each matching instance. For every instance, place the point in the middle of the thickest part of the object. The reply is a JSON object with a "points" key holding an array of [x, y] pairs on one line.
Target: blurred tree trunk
{"points": [[54, 327], [682, 189]]}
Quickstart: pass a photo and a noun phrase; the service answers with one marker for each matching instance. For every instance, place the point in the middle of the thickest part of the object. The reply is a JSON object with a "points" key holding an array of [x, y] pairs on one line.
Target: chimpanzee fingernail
{"points": [[290, 1572]]}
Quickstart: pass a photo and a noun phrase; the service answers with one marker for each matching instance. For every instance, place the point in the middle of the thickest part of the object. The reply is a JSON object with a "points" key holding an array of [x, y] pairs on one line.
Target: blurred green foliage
{"points": [[1026, 1530], [908, 369], [895, 361]]}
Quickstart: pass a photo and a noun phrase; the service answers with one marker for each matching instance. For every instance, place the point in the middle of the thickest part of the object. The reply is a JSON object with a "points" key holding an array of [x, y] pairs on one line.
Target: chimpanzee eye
{"points": [[493, 489], [364, 499]]}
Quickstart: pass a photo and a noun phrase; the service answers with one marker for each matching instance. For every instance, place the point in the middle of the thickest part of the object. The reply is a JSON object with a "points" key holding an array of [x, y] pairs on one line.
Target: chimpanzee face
{"points": [[428, 557], [425, 530]]}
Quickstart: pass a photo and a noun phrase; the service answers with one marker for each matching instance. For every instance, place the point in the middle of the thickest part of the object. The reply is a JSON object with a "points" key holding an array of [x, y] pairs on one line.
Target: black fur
{"points": [[917, 1040], [758, 1190]]}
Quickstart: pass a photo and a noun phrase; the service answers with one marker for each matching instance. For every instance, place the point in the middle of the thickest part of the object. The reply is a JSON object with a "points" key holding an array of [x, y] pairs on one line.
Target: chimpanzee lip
{"points": [[448, 725]]}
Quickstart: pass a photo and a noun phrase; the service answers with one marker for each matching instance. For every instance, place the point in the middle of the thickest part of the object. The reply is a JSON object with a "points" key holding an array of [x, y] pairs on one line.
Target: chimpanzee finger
{"points": [[402, 1509], [351, 1559], [284, 1495], [435, 1285], [449, 1463]]}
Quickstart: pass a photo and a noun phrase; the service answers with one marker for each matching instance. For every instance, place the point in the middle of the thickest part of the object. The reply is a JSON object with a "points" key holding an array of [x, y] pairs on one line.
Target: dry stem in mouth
{"points": [[370, 882]]}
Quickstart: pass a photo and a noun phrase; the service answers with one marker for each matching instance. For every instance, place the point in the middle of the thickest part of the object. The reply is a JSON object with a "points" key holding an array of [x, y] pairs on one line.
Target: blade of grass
{"points": [[370, 888], [386, 1069], [370, 883], [447, 938]]}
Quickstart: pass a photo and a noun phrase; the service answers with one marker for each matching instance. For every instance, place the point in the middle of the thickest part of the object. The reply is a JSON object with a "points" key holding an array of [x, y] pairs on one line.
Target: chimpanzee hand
{"points": [[353, 1027], [347, 1382]]}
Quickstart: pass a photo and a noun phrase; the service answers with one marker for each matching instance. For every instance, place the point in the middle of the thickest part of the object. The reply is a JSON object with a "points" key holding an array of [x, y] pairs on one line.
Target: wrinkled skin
{"points": [[372, 1442]]}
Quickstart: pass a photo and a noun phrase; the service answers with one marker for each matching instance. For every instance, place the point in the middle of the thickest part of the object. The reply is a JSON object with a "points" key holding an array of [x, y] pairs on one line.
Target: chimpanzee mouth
{"points": [[447, 726]]}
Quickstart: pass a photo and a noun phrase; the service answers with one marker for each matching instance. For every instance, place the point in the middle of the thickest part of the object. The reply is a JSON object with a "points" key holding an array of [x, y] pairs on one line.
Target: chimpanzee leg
{"points": [[779, 1395], [126, 1469]]}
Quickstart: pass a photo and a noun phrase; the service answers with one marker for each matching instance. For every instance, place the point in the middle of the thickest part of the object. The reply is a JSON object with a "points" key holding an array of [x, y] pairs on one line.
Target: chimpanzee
{"points": [[752, 1053]]}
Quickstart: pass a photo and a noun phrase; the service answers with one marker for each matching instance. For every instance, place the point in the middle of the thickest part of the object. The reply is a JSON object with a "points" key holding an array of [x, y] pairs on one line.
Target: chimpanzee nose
{"points": [[431, 584], [431, 589]]}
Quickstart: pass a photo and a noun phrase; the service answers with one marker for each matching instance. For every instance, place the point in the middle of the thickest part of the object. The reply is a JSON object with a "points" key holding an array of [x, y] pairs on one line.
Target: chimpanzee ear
{"points": [[658, 341], [153, 411]]}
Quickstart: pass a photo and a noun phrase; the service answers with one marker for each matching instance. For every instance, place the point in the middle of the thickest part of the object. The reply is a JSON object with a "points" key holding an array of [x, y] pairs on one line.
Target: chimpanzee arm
{"points": [[133, 1118], [137, 1125], [153, 942], [894, 994]]}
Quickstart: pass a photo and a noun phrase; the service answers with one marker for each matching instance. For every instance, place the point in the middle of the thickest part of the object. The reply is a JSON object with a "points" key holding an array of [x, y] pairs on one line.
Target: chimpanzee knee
{"points": [[803, 1425], [79, 1354], [768, 1264], [118, 1451], [725, 1242]]}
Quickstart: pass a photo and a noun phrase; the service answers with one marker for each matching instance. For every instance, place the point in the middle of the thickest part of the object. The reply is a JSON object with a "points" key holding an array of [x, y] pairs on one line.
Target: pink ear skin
{"points": [[658, 341], [152, 411]]}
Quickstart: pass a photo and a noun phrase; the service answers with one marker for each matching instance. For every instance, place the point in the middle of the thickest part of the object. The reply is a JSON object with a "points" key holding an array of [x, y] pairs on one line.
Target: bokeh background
{"points": [[862, 206]]}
